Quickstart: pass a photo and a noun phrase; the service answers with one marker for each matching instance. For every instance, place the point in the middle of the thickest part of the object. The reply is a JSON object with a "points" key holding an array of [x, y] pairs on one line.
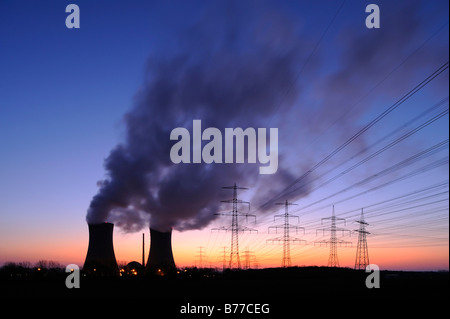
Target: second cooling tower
{"points": [[160, 259]]}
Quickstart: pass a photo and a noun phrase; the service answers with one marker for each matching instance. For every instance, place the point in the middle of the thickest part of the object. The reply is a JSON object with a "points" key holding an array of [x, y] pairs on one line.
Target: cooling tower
{"points": [[100, 258], [160, 259]]}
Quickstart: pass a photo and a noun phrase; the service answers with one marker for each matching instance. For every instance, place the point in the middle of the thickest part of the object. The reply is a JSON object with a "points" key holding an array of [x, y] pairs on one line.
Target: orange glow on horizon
{"points": [[128, 247]]}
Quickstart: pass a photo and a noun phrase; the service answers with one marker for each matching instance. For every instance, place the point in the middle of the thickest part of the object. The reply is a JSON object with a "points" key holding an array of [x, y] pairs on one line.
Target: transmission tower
{"points": [[286, 239], [224, 257], [333, 260], [201, 255], [235, 229], [362, 252], [248, 255]]}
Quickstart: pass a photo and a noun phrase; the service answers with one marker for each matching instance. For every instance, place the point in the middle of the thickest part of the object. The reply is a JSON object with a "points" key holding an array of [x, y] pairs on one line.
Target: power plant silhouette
{"points": [[101, 260], [160, 259]]}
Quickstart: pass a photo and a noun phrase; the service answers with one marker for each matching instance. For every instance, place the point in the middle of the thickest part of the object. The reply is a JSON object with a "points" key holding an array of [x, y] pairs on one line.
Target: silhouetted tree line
{"points": [[43, 268]]}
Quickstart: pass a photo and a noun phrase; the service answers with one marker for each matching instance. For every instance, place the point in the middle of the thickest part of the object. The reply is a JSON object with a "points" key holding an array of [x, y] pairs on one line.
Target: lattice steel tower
{"points": [[286, 239], [362, 252], [333, 260], [201, 255], [235, 261]]}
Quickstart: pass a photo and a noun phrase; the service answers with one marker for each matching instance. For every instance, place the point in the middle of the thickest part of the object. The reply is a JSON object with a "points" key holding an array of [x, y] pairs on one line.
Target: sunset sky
{"points": [[135, 70]]}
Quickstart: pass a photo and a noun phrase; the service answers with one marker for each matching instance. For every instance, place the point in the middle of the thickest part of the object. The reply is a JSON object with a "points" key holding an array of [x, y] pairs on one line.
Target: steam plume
{"points": [[215, 78]]}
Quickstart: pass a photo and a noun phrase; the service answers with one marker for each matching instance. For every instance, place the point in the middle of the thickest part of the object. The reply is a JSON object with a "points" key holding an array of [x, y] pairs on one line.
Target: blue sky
{"points": [[64, 93]]}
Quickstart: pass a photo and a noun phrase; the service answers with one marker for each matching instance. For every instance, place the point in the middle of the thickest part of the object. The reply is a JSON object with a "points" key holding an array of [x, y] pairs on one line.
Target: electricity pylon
{"points": [[247, 256], [333, 260], [286, 239], [224, 258], [235, 261], [362, 252], [200, 255]]}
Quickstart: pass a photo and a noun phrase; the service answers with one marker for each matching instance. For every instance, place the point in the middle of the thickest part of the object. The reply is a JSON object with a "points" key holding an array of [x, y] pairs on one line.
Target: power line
{"points": [[378, 152], [409, 161], [390, 109]]}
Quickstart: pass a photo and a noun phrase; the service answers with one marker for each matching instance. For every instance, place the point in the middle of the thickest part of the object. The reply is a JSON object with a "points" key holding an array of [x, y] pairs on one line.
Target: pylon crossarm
{"points": [[344, 230], [286, 215], [297, 241], [277, 216], [296, 228], [247, 216], [277, 240], [234, 187], [222, 228], [321, 242], [224, 214], [286, 203], [362, 231], [332, 229], [334, 218], [339, 243], [276, 228], [247, 229], [236, 201], [345, 243]]}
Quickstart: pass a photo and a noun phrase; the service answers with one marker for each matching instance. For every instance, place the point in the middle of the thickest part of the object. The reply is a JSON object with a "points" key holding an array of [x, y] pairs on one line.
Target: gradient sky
{"points": [[64, 93]]}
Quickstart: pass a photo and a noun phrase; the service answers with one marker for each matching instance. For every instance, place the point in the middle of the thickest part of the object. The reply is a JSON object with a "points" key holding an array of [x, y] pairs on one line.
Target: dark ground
{"points": [[282, 289]]}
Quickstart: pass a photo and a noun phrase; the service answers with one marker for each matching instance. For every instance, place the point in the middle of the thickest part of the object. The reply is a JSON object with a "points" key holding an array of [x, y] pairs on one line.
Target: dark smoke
{"points": [[230, 73]]}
